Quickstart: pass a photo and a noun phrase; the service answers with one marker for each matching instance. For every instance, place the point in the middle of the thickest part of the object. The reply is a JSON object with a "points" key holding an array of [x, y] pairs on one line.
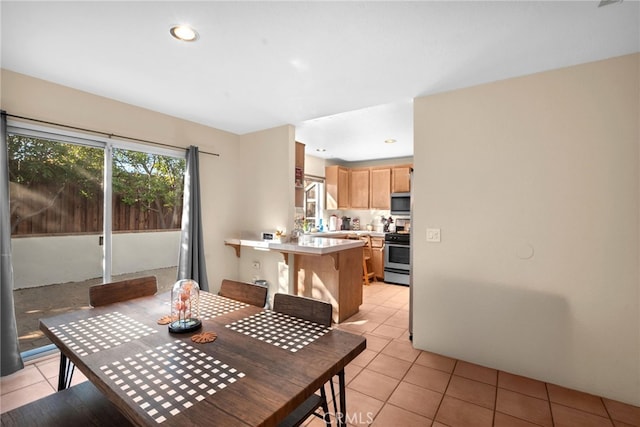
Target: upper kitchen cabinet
{"points": [[380, 191], [337, 185], [359, 188], [299, 174], [401, 179]]}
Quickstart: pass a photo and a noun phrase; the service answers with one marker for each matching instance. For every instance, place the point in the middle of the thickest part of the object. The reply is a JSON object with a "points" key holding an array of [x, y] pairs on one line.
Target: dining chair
{"points": [[318, 312], [248, 293], [104, 294], [123, 290]]}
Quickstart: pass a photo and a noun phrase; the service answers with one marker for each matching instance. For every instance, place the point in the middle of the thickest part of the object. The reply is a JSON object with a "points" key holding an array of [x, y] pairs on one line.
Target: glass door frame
{"points": [[108, 145]]}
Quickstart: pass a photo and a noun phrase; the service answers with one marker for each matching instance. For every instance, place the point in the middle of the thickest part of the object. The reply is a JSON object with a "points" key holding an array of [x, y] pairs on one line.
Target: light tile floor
{"points": [[393, 384]]}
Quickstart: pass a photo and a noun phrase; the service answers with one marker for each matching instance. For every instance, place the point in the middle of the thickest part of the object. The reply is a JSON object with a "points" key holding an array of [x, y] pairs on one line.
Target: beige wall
{"points": [[534, 182], [266, 183], [30, 97], [314, 166]]}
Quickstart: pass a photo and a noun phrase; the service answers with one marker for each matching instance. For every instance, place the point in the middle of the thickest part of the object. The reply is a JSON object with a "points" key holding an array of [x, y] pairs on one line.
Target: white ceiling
{"points": [[344, 73]]}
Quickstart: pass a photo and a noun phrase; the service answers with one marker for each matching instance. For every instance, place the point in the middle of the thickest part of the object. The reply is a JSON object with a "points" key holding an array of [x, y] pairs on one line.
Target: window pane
{"points": [[313, 201], [147, 191], [310, 212], [147, 214], [56, 204]]}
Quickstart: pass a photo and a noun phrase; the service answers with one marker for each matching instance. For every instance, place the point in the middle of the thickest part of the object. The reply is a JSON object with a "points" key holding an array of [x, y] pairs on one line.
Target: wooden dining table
{"points": [[261, 366]]}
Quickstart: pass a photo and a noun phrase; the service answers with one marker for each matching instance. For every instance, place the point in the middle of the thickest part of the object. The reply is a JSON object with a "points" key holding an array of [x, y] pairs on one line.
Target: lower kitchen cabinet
{"points": [[377, 245]]}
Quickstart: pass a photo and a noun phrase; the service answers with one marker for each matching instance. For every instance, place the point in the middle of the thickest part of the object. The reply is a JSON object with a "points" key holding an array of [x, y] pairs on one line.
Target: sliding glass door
{"points": [[56, 205], [146, 214], [83, 212]]}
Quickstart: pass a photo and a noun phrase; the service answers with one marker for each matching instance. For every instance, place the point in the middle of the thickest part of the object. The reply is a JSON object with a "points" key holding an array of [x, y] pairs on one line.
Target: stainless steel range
{"points": [[397, 258]]}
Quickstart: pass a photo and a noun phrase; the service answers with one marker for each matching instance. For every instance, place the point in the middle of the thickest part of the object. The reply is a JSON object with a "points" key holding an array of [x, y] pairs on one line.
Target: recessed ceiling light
{"points": [[389, 141], [184, 33]]}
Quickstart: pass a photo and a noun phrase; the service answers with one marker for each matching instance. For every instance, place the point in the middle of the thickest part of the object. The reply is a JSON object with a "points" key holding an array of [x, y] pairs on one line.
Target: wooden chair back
{"points": [[304, 308], [368, 247], [368, 274], [248, 293], [124, 290]]}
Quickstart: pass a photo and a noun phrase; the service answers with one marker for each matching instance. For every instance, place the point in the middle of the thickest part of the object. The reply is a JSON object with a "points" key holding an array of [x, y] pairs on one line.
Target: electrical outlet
{"points": [[433, 235], [256, 265]]}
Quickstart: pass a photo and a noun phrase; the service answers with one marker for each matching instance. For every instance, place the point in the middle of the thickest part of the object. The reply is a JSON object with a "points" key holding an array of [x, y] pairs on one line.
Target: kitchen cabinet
{"points": [[359, 188], [299, 177], [365, 188], [377, 259], [380, 191], [400, 179], [337, 187]]}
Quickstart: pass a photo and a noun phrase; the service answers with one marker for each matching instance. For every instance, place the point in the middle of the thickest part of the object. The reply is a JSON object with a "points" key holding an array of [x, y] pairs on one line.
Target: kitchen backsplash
{"points": [[365, 217]]}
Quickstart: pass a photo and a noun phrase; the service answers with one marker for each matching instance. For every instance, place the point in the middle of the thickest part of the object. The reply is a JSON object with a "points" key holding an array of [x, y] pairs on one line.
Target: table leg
{"points": [[65, 373], [342, 414]]}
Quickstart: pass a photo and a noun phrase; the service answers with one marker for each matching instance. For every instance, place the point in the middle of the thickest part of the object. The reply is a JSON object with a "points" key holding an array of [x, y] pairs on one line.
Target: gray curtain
{"points": [[11, 360], [192, 264]]}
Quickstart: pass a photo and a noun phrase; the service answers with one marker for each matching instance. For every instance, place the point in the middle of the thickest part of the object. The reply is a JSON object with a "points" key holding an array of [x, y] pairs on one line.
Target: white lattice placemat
{"points": [[171, 378], [281, 330], [214, 305], [101, 332]]}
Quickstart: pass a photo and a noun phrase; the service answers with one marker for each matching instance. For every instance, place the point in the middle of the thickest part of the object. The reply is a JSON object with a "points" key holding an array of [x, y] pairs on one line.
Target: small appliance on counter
{"points": [[333, 223], [346, 223], [272, 236]]}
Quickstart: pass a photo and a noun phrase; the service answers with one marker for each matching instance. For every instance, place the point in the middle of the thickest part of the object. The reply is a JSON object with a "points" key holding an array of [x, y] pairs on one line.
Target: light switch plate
{"points": [[433, 235]]}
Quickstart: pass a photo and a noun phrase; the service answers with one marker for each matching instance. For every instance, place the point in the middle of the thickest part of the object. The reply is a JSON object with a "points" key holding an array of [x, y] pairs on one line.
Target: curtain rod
{"points": [[110, 135]]}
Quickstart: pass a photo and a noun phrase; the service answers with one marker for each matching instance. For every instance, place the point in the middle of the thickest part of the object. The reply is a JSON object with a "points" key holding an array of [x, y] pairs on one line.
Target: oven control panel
{"points": [[398, 238]]}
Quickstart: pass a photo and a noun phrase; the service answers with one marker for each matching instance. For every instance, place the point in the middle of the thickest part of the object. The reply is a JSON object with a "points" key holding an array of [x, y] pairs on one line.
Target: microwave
{"points": [[401, 204]]}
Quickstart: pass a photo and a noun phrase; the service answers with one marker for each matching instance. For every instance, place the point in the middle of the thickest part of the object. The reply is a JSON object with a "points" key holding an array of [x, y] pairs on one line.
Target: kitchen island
{"points": [[323, 268]]}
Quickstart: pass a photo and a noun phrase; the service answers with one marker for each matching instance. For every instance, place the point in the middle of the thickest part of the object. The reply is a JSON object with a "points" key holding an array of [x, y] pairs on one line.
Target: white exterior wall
{"points": [[39, 261]]}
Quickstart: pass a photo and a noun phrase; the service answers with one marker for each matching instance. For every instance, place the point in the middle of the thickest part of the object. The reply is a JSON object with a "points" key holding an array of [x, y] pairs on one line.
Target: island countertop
{"points": [[307, 245], [310, 245], [319, 267]]}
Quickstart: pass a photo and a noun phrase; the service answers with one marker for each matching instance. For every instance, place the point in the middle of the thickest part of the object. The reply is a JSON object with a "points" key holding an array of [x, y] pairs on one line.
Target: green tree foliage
{"points": [[42, 170], [154, 182]]}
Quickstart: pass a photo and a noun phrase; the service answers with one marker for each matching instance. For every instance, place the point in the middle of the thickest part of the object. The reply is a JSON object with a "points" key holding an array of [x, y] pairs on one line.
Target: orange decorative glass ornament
{"points": [[185, 306]]}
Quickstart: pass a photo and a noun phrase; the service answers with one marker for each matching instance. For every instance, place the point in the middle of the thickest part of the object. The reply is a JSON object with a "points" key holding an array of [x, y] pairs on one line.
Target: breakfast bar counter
{"points": [[327, 269]]}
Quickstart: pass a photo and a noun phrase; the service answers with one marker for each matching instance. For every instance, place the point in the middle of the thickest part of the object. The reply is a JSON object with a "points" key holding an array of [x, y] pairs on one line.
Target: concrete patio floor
{"points": [[32, 304]]}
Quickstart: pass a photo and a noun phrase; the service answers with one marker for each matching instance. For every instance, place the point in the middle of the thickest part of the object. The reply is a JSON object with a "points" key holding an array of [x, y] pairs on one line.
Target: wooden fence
{"points": [[47, 210]]}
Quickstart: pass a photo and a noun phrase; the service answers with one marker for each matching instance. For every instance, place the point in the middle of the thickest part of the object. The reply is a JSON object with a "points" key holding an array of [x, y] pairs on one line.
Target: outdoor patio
{"points": [[32, 304]]}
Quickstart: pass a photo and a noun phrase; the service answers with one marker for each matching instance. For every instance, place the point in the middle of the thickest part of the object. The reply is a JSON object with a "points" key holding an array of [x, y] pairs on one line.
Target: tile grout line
{"points": [[607, 410], [546, 387], [495, 398], [386, 401], [444, 392]]}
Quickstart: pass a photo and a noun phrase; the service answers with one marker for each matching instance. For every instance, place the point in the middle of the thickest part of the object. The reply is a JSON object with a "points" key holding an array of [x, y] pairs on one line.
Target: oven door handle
{"points": [[396, 270]]}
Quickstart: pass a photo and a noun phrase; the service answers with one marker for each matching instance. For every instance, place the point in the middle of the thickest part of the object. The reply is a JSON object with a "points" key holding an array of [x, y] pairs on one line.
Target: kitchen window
{"points": [[313, 200]]}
